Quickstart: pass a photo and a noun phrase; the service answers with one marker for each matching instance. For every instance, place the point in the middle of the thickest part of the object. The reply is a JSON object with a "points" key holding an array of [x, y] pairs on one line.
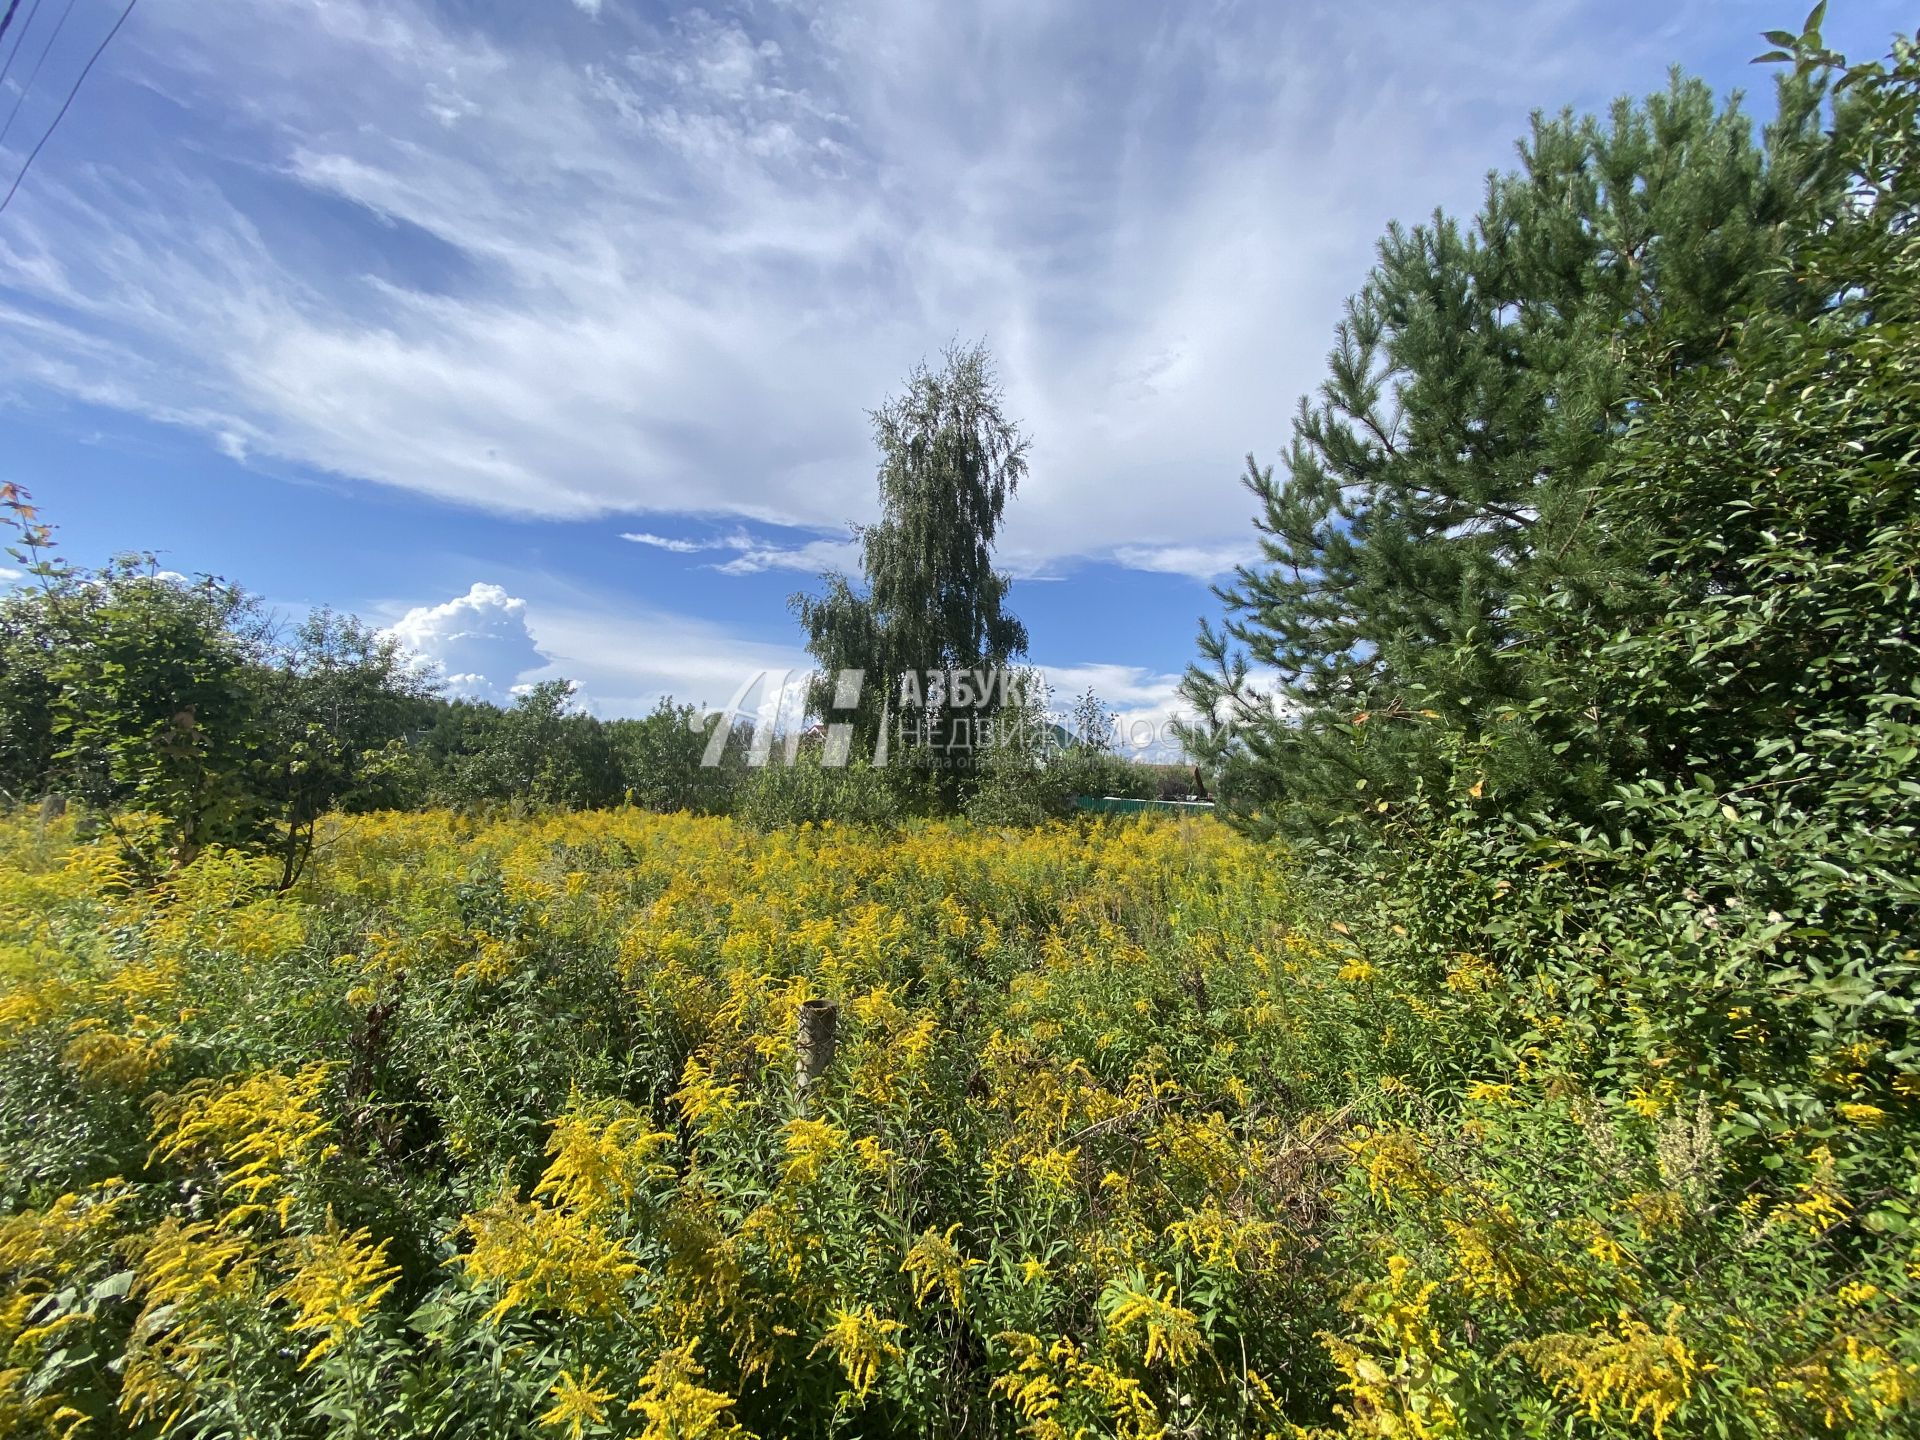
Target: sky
{"points": [[545, 334]]}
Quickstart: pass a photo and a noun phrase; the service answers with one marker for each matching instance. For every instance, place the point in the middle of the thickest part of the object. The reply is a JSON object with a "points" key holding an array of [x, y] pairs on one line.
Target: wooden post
{"points": [[813, 1045]]}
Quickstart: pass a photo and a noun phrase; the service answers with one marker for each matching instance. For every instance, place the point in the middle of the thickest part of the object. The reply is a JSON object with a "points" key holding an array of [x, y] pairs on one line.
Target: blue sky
{"points": [[423, 310]]}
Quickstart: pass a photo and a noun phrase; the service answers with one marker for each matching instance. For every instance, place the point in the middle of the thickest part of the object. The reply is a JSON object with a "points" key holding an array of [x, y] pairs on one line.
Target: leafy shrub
{"points": [[807, 792]]}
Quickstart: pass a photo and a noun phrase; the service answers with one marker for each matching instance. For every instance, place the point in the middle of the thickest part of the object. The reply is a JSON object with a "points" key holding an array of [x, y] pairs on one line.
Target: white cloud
{"points": [[491, 645], [478, 643], [662, 542], [754, 557], [546, 276], [626, 662], [1200, 562], [1145, 704], [816, 557], [592, 7]]}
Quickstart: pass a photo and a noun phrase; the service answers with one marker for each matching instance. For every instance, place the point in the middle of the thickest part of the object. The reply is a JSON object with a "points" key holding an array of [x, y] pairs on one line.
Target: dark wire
{"points": [[19, 40], [34, 74], [85, 70]]}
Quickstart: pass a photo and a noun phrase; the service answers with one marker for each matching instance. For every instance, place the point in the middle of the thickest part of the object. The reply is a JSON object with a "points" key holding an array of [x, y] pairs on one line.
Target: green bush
{"points": [[807, 792]]}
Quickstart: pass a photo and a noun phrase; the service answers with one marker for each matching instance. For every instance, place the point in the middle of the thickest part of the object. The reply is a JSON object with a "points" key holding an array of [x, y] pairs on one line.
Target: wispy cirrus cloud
{"points": [[753, 556], [1200, 562], [664, 542], [572, 261]]}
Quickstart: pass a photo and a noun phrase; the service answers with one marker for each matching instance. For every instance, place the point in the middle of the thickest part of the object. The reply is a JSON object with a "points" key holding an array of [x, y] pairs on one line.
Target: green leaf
{"points": [[114, 1287]]}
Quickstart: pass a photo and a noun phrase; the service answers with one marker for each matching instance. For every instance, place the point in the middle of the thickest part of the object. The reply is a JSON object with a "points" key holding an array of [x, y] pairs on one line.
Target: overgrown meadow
{"points": [[491, 1129]]}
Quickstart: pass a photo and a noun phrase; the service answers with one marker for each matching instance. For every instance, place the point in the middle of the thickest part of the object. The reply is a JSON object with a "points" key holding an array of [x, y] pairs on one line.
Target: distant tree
{"points": [[950, 458], [660, 758], [153, 702], [540, 752], [329, 698], [1024, 776], [1093, 723], [29, 649], [132, 688]]}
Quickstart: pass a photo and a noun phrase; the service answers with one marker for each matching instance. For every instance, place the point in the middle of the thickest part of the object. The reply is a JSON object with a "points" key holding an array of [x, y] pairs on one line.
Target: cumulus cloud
{"points": [[477, 643], [662, 266], [492, 645]]}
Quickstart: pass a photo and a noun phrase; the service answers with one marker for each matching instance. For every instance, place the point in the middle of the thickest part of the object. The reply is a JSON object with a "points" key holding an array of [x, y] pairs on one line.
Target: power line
{"points": [[85, 70], [34, 74], [19, 40], [7, 19]]}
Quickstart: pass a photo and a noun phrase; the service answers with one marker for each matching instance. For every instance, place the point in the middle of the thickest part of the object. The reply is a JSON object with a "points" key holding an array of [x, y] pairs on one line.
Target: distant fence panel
{"points": [[1121, 805]]}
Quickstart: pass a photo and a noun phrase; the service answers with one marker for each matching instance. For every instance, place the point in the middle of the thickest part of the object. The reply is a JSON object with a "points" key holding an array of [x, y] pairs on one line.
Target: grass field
{"points": [[491, 1129]]}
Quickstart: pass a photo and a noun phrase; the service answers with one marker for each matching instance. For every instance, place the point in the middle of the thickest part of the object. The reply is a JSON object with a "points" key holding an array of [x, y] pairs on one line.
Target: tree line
{"points": [[131, 688]]}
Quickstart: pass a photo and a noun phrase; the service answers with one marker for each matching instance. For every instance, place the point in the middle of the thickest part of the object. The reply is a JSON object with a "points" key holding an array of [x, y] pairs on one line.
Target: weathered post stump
{"points": [[813, 1045]]}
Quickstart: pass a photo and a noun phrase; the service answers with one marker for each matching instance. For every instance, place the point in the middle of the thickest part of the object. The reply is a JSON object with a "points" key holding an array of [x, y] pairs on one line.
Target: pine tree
{"points": [[1476, 381]]}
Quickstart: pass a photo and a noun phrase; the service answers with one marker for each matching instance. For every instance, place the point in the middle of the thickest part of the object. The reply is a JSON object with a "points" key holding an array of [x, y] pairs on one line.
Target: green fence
{"points": [[1120, 805]]}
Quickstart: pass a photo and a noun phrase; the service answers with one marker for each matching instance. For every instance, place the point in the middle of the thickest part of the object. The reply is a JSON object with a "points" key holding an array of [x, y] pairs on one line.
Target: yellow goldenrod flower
{"points": [[577, 1403], [810, 1145], [338, 1282], [266, 1127], [1169, 1330], [546, 1259], [936, 1263], [603, 1153], [863, 1343], [1634, 1369], [678, 1407]]}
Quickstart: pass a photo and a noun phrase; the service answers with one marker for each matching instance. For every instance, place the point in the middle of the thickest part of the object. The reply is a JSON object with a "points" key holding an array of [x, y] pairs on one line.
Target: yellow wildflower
{"points": [[338, 1282], [703, 1100], [810, 1144], [577, 1403], [546, 1259], [678, 1407], [1170, 1330], [1635, 1369], [266, 1126], [602, 1155], [863, 1343], [936, 1263]]}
